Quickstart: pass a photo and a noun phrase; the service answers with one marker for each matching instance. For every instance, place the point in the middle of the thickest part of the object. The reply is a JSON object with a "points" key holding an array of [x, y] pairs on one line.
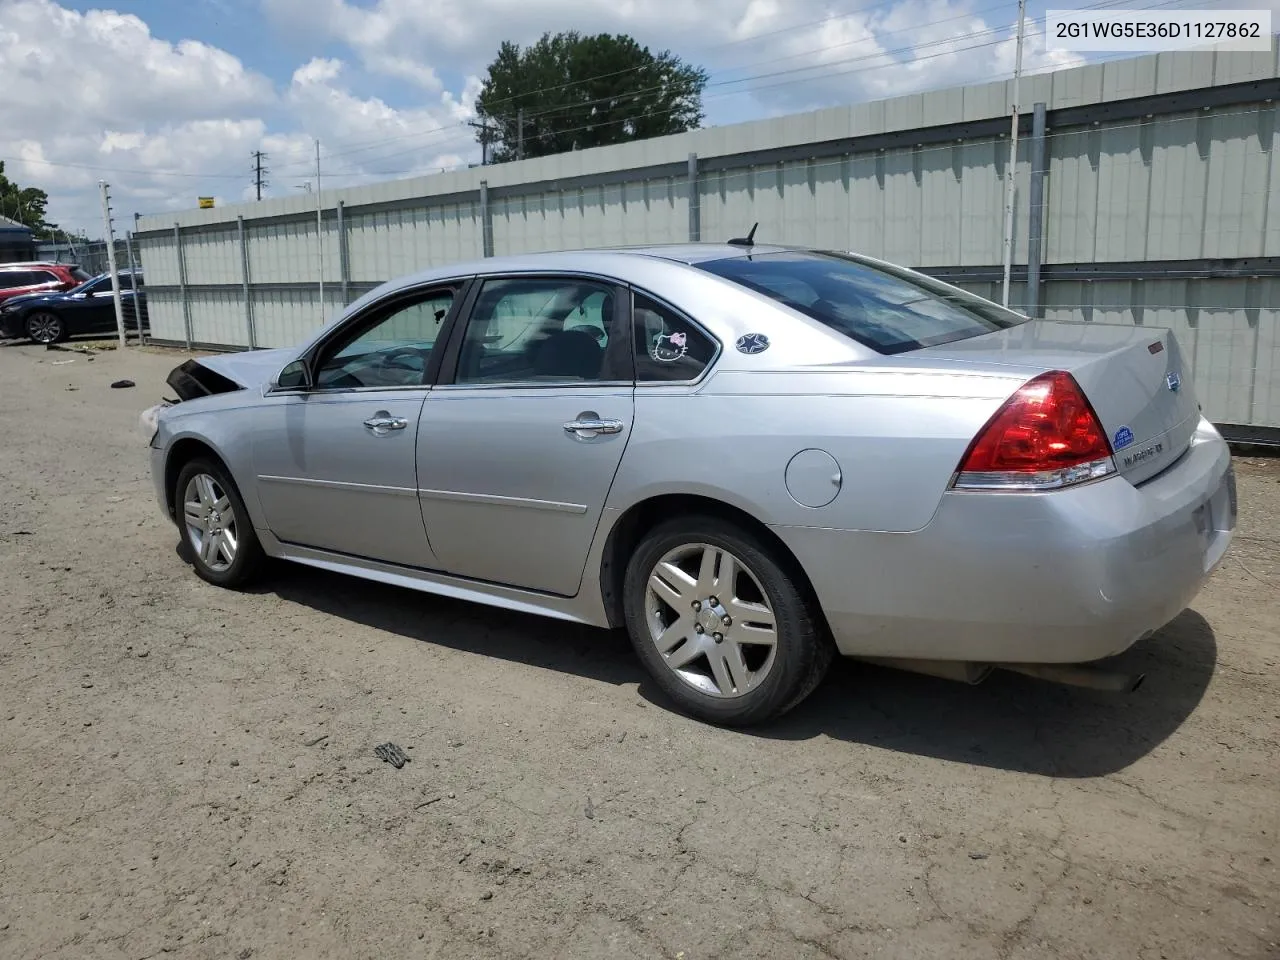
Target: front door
{"points": [[517, 453], [335, 463]]}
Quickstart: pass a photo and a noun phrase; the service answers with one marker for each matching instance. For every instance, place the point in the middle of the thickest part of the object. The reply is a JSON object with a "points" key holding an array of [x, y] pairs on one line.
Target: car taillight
{"points": [[1046, 436]]}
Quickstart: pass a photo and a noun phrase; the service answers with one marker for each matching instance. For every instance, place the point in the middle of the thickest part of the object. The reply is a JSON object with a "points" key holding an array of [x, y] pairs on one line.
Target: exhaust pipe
{"points": [[1076, 675]]}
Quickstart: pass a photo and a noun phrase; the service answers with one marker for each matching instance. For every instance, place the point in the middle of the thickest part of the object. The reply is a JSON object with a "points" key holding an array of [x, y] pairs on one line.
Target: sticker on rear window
{"points": [[1124, 437], [669, 348]]}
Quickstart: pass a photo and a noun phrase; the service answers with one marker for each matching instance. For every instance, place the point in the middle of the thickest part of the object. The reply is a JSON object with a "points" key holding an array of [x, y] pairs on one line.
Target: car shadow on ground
{"points": [[1010, 722]]}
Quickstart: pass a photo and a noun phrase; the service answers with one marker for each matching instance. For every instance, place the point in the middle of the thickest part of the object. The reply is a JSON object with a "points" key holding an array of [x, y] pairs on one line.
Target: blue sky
{"points": [[173, 95]]}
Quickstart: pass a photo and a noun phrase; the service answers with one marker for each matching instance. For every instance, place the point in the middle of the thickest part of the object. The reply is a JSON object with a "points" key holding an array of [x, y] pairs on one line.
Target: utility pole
{"points": [[111, 259], [520, 134], [319, 233], [1012, 167], [485, 140], [259, 171]]}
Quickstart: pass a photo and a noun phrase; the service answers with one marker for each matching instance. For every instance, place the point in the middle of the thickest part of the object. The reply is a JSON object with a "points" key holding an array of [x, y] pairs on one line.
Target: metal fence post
{"points": [[245, 290], [344, 260], [486, 224], [139, 296], [695, 201], [182, 283], [1035, 214]]}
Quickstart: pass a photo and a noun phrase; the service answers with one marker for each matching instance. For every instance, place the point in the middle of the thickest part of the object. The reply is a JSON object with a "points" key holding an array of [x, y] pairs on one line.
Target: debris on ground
{"points": [[121, 384], [392, 754]]}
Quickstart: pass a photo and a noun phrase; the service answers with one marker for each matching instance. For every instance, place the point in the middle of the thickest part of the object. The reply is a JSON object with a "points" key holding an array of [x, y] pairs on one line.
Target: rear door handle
{"points": [[590, 425], [382, 423]]}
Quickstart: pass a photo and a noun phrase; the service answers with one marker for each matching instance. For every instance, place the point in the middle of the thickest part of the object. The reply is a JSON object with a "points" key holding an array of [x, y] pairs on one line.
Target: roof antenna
{"points": [[748, 241]]}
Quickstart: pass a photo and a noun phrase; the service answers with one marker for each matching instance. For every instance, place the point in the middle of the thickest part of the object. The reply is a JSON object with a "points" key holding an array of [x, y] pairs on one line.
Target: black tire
{"points": [[247, 563], [45, 326], [803, 650]]}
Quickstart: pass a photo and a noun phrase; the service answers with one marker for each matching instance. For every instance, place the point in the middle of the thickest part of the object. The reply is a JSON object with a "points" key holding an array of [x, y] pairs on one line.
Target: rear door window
{"points": [[543, 330], [881, 307], [668, 347]]}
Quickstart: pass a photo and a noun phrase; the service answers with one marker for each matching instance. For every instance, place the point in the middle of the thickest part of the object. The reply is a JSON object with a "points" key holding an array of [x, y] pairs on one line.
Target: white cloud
{"points": [[89, 95], [813, 54], [98, 93]]}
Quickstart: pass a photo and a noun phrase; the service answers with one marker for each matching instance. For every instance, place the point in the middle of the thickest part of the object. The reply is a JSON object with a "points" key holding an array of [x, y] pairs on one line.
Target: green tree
{"points": [[23, 204], [578, 92]]}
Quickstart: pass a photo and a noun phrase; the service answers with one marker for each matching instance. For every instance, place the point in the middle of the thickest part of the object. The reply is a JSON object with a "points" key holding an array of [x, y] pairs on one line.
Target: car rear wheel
{"points": [[215, 525], [726, 630], [46, 327]]}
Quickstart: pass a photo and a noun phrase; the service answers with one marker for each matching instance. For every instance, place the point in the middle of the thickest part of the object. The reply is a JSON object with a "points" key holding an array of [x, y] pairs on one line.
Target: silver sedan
{"points": [[751, 457]]}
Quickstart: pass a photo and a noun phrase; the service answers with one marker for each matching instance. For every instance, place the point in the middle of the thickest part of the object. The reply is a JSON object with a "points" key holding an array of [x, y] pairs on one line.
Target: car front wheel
{"points": [[45, 327], [727, 631], [215, 525]]}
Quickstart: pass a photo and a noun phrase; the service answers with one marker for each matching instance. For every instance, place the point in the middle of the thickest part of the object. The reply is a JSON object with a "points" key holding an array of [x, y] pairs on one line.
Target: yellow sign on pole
{"points": [[206, 203]]}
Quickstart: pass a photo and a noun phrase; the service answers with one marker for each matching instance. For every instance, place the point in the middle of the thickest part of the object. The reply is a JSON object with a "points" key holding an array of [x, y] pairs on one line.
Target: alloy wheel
{"points": [[44, 327], [710, 620], [210, 521]]}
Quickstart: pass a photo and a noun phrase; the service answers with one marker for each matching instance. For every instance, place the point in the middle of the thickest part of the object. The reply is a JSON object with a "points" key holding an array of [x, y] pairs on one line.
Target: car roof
{"points": [[583, 258], [28, 264], [692, 253]]}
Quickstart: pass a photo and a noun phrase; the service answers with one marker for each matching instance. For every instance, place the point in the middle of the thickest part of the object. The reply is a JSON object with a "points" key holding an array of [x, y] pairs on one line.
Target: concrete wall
{"points": [[1158, 209]]}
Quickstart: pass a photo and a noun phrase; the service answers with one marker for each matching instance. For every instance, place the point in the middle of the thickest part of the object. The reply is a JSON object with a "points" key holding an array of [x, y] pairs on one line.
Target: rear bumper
{"points": [[1060, 577]]}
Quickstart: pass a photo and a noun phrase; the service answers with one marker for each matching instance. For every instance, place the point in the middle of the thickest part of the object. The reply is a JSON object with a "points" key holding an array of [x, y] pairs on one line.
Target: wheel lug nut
{"points": [[714, 602], [726, 620], [698, 628], [697, 605], [718, 637]]}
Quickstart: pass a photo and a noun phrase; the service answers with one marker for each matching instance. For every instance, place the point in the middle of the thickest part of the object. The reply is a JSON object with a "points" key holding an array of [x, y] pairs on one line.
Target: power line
{"points": [[829, 18], [949, 44], [436, 131], [723, 83]]}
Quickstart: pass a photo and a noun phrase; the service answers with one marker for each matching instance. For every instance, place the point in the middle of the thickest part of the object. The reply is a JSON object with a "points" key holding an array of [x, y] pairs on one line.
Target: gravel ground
{"points": [[188, 771]]}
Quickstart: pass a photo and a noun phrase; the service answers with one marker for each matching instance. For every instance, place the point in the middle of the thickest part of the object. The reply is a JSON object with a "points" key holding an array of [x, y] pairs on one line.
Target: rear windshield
{"points": [[80, 275], [884, 308]]}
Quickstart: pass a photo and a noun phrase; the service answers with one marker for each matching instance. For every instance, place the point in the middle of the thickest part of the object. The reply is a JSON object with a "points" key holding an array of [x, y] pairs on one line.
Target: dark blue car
{"points": [[88, 308]]}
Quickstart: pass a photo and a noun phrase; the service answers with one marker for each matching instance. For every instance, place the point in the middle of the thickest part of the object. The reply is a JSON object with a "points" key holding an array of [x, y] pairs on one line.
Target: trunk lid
{"points": [[1134, 377]]}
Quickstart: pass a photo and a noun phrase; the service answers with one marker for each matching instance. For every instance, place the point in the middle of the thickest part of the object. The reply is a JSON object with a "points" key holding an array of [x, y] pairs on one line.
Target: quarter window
{"points": [[668, 347], [538, 330], [393, 352]]}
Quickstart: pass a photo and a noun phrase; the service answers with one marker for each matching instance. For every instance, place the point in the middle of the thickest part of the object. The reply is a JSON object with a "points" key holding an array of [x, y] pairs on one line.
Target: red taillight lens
{"points": [[1045, 436]]}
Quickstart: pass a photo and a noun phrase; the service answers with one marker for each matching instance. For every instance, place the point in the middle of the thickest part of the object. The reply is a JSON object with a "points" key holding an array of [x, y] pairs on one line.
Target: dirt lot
{"points": [[188, 771]]}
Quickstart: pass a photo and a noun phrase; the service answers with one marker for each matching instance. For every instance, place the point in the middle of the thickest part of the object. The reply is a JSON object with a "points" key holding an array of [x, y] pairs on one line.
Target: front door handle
{"points": [[382, 423], [590, 424]]}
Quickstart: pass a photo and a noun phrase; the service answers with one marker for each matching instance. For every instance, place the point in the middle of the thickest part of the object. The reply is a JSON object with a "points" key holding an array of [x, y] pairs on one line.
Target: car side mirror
{"points": [[294, 376]]}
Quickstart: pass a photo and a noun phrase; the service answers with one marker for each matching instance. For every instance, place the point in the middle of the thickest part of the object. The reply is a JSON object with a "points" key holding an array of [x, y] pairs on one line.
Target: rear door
{"points": [[520, 442]]}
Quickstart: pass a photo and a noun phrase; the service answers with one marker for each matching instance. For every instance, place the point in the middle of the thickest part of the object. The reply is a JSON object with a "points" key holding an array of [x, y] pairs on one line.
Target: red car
{"points": [[38, 277]]}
